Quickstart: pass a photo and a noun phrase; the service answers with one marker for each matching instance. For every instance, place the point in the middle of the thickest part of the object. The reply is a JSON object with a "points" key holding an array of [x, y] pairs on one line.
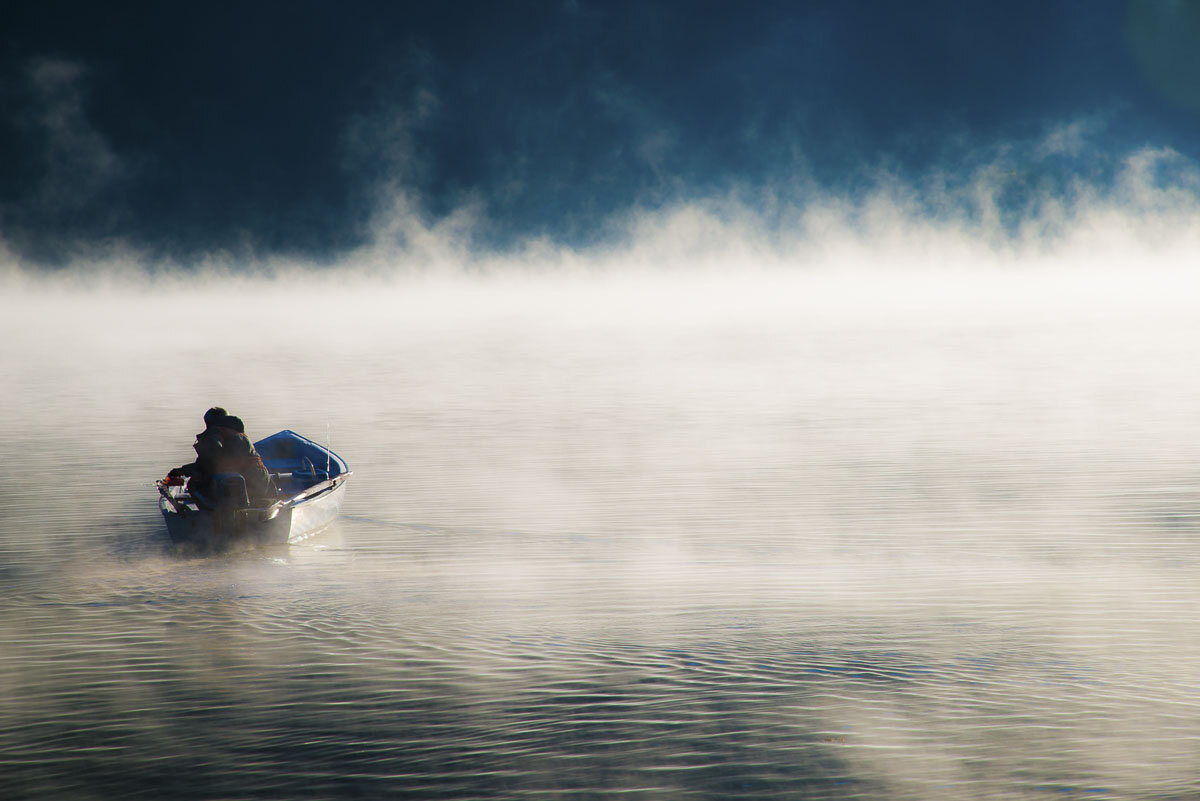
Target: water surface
{"points": [[757, 536]]}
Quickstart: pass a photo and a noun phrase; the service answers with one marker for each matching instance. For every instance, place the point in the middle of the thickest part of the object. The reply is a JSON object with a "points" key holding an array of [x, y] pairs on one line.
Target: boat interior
{"points": [[297, 463]]}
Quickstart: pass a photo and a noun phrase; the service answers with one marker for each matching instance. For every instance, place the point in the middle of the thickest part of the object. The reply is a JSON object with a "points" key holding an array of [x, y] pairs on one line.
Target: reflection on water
{"points": [[790, 549]]}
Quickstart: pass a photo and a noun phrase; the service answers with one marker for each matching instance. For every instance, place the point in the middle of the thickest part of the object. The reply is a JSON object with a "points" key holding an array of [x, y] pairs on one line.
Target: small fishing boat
{"points": [[309, 483]]}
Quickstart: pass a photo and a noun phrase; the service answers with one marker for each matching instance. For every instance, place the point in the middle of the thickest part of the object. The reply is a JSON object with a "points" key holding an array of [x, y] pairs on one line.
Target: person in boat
{"points": [[208, 448], [223, 447], [237, 455]]}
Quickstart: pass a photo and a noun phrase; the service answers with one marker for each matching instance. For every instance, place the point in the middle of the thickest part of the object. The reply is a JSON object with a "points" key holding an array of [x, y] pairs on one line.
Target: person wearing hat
{"points": [[223, 447]]}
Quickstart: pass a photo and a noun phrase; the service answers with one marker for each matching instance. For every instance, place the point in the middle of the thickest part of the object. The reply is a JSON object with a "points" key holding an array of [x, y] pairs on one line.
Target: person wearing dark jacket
{"points": [[208, 449], [223, 447]]}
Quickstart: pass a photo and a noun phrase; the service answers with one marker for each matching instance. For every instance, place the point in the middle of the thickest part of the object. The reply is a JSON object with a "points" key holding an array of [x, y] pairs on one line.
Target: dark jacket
{"points": [[220, 449], [237, 455]]}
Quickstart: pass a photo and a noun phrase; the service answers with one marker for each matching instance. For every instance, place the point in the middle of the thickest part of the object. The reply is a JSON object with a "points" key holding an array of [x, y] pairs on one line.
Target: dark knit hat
{"points": [[214, 416]]}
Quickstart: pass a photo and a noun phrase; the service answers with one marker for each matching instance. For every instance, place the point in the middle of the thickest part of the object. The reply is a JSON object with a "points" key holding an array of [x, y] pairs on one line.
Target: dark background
{"points": [[275, 128]]}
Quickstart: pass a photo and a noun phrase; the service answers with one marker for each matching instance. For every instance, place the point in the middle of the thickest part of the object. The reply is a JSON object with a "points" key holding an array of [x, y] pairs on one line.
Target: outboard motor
{"points": [[230, 491], [230, 494]]}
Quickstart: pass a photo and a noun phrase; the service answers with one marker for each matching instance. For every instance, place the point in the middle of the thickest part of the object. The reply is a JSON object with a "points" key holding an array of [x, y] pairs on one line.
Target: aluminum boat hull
{"points": [[312, 481]]}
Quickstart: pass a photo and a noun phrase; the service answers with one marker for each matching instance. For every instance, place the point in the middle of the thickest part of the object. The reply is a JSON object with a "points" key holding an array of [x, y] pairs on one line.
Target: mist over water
{"points": [[896, 513]]}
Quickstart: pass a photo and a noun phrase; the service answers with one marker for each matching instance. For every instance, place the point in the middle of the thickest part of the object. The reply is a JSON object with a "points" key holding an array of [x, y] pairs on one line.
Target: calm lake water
{"points": [[752, 536]]}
